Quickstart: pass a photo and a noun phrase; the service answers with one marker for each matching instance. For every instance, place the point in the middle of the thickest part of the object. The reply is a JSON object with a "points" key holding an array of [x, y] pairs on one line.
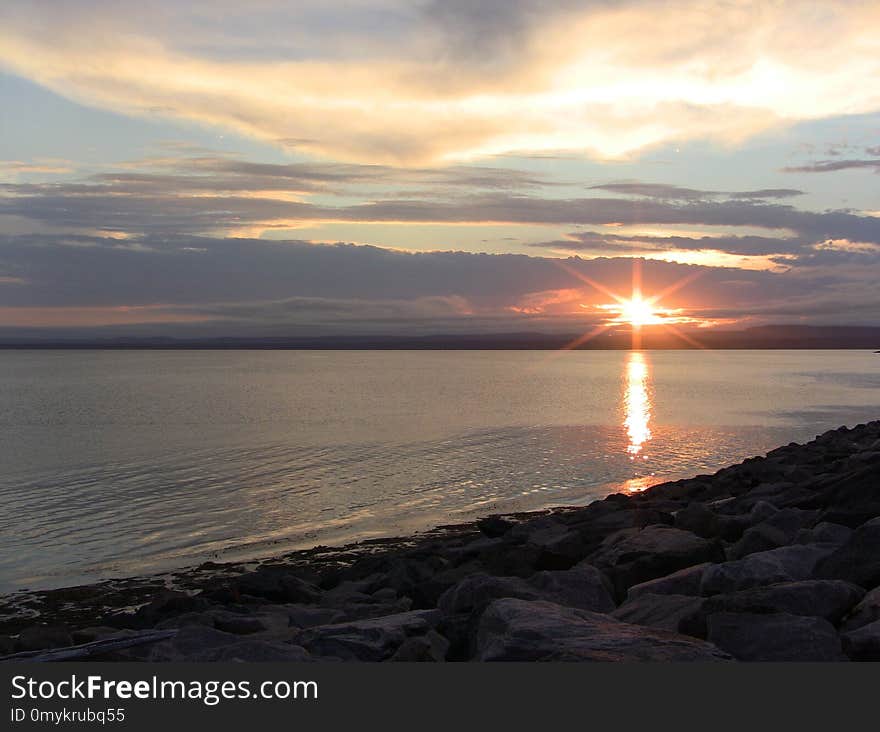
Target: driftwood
{"points": [[95, 648]]}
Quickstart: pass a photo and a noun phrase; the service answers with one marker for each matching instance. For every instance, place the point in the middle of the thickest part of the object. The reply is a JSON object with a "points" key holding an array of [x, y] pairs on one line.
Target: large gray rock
{"points": [[785, 564], [431, 647], [253, 651], [658, 611], [858, 560], [683, 582], [308, 616], [519, 630], [38, 637], [190, 641], [278, 584], [825, 533], [777, 530], [867, 611], [633, 556], [863, 644], [474, 593], [559, 545], [583, 587], [828, 599], [367, 640], [774, 637]]}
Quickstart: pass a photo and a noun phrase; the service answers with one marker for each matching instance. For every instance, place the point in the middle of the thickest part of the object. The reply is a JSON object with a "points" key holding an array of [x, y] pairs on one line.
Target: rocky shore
{"points": [[774, 559]]}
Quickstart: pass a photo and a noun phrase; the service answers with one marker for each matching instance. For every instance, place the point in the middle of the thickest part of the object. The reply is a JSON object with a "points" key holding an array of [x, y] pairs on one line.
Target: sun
{"points": [[638, 312]]}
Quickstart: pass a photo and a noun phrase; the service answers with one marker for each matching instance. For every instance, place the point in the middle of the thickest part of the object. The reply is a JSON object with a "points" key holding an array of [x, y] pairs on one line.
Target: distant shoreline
{"points": [[771, 337]]}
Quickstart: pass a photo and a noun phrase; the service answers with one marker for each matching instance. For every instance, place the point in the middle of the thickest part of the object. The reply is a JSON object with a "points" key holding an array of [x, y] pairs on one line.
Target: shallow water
{"points": [[121, 462]]}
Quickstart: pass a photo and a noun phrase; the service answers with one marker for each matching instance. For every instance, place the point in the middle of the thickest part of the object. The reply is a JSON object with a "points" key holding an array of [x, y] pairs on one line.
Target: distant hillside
{"points": [[770, 336]]}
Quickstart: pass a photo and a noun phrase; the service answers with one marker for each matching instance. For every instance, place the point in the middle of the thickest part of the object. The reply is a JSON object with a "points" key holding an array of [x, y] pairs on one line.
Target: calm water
{"points": [[116, 463]]}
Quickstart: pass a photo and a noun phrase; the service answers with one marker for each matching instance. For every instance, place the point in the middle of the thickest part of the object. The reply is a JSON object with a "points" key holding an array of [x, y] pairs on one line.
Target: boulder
{"points": [[583, 587], [634, 556], [474, 593], [254, 651], [431, 647], [39, 637], [774, 637], [867, 611], [190, 641], [307, 616], [277, 584], [825, 533], [858, 560], [863, 644], [785, 564], [683, 582], [367, 640], [519, 630], [828, 599], [559, 545], [777, 530], [238, 624], [658, 611], [494, 526]]}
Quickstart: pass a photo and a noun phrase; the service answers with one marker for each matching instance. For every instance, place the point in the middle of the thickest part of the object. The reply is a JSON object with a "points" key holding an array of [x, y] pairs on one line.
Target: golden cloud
{"points": [[606, 80]]}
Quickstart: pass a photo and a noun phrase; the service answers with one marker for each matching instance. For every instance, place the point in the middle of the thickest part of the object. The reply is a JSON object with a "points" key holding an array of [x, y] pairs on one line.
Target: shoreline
{"points": [[776, 558]]}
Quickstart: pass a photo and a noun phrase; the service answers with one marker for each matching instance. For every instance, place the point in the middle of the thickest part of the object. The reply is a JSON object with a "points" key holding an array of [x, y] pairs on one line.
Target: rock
{"points": [[238, 624], [867, 611], [863, 644], [254, 651], [39, 637], [828, 599], [520, 630], [761, 511], [774, 637], [785, 564], [189, 641], [307, 616], [473, 594], [494, 526], [777, 530], [634, 556], [583, 587], [277, 584], [683, 582], [169, 603], [560, 546], [825, 533], [431, 647], [7, 645], [658, 611], [180, 621], [858, 560], [517, 561], [367, 640], [368, 610], [758, 538], [93, 633], [699, 519]]}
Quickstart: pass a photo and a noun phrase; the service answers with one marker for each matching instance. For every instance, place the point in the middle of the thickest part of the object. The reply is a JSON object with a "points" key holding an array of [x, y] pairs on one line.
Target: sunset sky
{"points": [[382, 166]]}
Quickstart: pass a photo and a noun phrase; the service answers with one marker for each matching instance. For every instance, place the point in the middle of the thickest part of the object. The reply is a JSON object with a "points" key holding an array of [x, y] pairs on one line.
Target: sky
{"points": [[436, 166]]}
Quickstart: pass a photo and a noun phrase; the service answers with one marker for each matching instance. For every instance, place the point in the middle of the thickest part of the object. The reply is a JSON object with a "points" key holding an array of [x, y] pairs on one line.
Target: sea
{"points": [[116, 463]]}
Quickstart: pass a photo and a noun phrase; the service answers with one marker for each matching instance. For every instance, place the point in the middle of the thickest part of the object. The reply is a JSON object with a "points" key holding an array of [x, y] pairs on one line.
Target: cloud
{"points": [[665, 191], [241, 286], [387, 81], [137, 205], [832, 166]]}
